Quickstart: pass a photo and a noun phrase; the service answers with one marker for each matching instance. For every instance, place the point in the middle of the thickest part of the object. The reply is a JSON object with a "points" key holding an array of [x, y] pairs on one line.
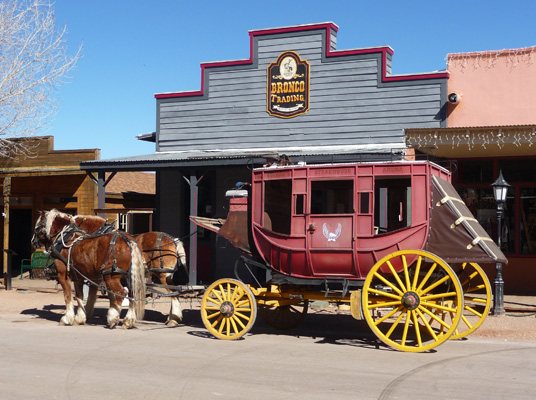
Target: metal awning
{"points": [[217, 158]]}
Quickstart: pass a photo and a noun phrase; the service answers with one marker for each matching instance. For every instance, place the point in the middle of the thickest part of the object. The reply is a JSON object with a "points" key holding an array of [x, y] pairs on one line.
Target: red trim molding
{"points": [[337, 53]]}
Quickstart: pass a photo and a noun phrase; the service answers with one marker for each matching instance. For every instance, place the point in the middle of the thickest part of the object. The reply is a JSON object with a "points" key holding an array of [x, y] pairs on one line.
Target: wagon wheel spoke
{"points": [[228, 309], [477, 298], [284, 316], [412, 300]]}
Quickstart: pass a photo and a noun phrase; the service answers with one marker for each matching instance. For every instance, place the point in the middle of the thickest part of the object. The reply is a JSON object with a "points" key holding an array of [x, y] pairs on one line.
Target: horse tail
{"points": [[181, 262], [181, 253], [137, 280]]}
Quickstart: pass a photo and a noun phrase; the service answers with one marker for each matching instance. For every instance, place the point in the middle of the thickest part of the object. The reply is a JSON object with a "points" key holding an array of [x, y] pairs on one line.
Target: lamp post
{"points": [[500, 188]]}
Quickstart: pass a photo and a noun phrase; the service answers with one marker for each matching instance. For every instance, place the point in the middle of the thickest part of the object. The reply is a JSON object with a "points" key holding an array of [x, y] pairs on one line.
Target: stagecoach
{"points": [[393, 240]]}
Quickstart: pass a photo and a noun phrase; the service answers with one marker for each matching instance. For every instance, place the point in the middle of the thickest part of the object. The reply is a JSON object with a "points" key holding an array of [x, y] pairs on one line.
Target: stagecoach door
{"points": [[330, 228]]}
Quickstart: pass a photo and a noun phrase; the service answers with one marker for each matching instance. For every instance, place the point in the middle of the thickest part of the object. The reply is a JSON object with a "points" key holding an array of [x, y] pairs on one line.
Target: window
{"points": [[481, 203], [392, 206], [135, 222], [123, 222], [364, 203], [519, 224], [299, 204], [332, 197], [277, 205], [517, 169], [528, 220], [474, 171]]}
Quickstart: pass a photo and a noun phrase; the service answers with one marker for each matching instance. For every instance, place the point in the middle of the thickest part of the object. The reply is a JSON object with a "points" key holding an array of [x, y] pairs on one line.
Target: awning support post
{"points": [[194, 191]]}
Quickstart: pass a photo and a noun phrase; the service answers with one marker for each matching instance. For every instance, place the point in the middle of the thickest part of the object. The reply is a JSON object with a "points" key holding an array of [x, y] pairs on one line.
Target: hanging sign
{"points": [[288, 86]]}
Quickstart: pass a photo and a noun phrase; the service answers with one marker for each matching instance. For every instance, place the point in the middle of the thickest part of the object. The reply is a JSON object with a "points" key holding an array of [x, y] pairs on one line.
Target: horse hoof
{"points": [[65, 322], [128, 324], [172, 322]]}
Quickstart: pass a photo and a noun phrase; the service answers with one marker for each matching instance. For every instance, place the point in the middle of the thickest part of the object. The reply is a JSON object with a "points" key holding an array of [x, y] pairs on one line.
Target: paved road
{"points": [[328, 356]]}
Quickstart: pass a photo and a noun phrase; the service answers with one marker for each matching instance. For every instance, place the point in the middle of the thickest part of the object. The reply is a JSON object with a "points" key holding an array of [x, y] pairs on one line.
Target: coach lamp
{"points": [[500, 188]]}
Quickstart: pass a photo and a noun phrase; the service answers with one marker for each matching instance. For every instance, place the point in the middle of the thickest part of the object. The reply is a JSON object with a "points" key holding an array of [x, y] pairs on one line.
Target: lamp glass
{"points": [[499, 192], [500, 188]]}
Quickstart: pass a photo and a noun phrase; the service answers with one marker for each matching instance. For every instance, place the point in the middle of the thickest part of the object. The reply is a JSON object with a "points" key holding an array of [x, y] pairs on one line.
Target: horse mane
{"points": [[51, 217], [93, 224], [95, 218]]}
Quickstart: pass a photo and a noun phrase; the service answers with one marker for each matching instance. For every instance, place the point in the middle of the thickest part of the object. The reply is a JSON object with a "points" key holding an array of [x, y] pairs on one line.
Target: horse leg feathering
{"points": [[80, 318]]}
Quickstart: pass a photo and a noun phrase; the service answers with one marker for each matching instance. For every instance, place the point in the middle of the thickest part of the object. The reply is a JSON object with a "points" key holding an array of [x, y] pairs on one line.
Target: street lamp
{"points": [[500, 188]]}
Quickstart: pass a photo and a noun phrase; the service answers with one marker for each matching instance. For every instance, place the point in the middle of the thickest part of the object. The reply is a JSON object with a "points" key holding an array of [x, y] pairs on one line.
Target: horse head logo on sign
{"points": [[288, 86]]}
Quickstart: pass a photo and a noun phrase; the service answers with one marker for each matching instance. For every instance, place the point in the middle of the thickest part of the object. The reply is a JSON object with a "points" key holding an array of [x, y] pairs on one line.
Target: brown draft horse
{"points": [[102, 257], [163, 255]]}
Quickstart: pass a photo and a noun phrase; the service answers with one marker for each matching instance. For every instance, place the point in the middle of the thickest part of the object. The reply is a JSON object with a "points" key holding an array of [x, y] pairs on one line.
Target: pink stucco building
{"points": [[491, 127], [495, 87]]}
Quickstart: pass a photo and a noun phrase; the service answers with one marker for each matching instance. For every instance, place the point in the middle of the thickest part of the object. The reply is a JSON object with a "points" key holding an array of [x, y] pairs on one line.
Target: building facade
{"points": [[296, 95], [50, 178]]}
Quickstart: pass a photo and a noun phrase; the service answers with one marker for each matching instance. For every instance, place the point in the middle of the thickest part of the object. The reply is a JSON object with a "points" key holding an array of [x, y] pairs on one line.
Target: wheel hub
{"points": [[227, 309], [411, 300]]}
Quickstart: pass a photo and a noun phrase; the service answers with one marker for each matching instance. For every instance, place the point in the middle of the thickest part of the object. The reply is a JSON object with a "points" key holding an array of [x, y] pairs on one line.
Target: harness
{"points": [[111, 247], [158, 250], [66, 234], [104, 229], [60, 240]]}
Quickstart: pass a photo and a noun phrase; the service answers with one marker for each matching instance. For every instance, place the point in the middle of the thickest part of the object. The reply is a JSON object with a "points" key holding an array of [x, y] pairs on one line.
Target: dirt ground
{"points": [[512, 326]]}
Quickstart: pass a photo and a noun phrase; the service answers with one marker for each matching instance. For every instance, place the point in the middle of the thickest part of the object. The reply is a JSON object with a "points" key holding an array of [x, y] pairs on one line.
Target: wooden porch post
{"points": [[7, 193], [101, 192], [193, 228]]}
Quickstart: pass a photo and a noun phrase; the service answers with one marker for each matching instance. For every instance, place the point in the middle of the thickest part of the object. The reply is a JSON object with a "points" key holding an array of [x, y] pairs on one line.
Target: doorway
{"points": [[20, 235]]}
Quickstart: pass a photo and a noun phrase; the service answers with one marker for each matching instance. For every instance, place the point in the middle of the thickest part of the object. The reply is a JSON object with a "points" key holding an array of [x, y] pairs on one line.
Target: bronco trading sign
{"points": [[288, 86]]}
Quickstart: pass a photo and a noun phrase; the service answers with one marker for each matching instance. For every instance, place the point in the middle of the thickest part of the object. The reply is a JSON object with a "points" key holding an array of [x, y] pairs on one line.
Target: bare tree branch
{"points": [[33, 64]]}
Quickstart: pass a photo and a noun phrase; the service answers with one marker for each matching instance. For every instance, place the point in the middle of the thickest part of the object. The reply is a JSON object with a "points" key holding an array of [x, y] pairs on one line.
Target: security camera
{"points": [[454, 98]]}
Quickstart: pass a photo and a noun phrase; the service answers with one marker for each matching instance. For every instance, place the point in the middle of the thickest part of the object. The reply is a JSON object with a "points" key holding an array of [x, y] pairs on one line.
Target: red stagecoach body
{"points": [[392, 239], [336, 221]]}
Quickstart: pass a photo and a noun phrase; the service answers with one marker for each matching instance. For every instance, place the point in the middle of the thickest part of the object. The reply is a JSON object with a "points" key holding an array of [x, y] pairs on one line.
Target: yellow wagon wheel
{"points": [[228, 309], [476, 296], [284, 316], [477, 299], [402, 307]]}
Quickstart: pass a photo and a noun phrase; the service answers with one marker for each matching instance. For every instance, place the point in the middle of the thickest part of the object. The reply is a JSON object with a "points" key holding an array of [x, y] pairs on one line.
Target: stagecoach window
{"points": [[364, 203], [299, 204], [392, 205], [332, 197], [278, 205]]}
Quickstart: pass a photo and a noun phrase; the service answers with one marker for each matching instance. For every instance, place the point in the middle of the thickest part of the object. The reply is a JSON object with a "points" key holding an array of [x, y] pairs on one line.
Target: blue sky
{"points": [[133, 49]]}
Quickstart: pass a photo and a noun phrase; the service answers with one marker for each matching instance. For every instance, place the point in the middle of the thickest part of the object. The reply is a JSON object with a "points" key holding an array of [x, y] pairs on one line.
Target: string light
{"points": [[472, 138], [488, 59]]}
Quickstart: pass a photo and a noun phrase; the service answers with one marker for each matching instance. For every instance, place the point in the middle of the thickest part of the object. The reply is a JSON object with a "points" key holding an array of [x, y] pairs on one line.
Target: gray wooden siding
{"points": [[346, 104]]}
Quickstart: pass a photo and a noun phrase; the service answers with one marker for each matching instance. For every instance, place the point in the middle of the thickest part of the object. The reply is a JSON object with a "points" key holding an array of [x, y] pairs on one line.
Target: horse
{"points": [[164, 257], [104, 257]]}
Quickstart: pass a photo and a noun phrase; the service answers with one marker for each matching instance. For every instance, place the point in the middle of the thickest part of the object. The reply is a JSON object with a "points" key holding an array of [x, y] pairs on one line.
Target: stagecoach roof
{"points": [[216, 158]]}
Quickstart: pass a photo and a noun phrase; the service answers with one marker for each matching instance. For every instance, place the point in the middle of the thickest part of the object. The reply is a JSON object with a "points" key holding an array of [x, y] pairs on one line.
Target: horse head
{"points": [[48, 226]]}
